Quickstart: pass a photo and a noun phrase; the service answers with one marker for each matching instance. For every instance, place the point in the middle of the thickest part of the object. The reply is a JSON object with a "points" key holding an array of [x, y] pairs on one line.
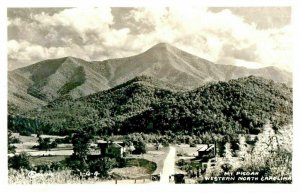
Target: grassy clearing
{"points": [[28, 139], [33, 138], [186, 150], [148, 165], [41, 160], [134, 169], [156, 156]]}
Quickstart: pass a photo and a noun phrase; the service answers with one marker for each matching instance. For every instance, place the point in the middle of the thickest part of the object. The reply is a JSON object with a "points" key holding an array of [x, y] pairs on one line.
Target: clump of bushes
{"points": [[20, 161], [45, 144]]}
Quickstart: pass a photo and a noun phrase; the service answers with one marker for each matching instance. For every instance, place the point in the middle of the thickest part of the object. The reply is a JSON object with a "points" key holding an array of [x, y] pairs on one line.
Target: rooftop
{"points": [[205, 147], [103, 141]]}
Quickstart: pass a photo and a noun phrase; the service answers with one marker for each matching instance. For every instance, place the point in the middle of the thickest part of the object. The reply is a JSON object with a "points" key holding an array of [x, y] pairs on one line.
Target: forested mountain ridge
{"points": [[43, 82], [238, 106]]}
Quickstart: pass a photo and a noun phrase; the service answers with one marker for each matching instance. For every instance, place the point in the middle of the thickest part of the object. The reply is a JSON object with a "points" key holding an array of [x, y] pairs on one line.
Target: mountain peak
{"points": [[162, 44], [71, 58], [162, 47]]}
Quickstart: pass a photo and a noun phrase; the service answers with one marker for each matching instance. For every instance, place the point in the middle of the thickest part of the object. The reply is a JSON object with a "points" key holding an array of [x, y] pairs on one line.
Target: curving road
{"points": [[169, 166]]}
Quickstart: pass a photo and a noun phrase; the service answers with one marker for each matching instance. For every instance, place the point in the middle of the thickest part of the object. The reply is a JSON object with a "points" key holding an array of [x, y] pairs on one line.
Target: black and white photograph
{"points": [[149, 95]]}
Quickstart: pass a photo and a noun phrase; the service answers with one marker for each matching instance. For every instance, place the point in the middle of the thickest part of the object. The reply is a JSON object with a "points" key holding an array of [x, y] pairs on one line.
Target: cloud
{"points": [[78, 25], [91, 33], [83, 33], [221, 37]]}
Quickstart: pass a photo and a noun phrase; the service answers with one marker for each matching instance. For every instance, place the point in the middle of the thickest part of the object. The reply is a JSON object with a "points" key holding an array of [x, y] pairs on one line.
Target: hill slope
{"points": [[141, 105], [45, 81], [38, 84], [172, 65]]}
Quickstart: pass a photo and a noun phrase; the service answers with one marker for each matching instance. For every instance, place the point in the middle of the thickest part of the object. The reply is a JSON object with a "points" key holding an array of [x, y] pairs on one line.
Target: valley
{"points": [[160, 116]]}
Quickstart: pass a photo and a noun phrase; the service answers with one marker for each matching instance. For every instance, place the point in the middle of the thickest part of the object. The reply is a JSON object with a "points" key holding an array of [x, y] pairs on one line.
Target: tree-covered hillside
{"points": [[146, 105], [238, 106]]}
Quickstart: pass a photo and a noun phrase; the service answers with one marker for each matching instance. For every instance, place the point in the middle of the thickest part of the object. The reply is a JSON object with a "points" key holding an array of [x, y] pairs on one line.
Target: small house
{"points": [[115, 150], [111, 149], [206, 152]]}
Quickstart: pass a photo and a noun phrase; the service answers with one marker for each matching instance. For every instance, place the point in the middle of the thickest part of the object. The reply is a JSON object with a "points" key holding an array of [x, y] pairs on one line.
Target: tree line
{"points": [[239, 106]]}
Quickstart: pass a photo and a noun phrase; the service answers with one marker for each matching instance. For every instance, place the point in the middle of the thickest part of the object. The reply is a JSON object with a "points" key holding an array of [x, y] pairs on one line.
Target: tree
{"points": [[46, 144], [101, 167], [20, 161], [228, 153], [81, 143], [242, 152], [11, 149], [131, 148], [140, 147], [272, 153], [10, 141]]}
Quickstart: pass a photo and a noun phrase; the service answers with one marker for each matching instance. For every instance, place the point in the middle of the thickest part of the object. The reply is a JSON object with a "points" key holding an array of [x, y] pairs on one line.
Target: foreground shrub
{"points": [[20, 161]]}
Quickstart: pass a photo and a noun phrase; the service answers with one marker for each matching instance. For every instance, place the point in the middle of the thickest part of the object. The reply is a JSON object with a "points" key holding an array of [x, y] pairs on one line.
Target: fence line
{"points": [[142, 179]]}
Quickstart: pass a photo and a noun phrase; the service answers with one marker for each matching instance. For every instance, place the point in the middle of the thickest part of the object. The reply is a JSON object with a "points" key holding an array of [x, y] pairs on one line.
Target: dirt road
{"points": [[169, 166]]}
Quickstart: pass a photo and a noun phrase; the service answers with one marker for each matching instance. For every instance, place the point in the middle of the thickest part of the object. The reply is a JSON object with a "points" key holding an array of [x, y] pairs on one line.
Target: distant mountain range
{"points": [[49, 80]]}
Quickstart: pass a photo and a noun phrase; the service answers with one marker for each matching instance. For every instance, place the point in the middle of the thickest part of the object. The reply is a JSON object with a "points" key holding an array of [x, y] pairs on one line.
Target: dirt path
{"points": [[169, 166]]}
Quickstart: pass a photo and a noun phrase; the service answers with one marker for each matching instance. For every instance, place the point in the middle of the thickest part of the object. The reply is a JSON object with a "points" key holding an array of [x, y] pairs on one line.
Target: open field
{"points": [[135, 169], [138, 168], [39, 160], [49, 153], [156, 156], [28, 142], [148, 165], [33, 138], [185, 152]]}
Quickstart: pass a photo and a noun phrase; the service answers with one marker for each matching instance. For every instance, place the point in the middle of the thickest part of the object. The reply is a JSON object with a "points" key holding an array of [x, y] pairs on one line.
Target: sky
{"points": [[253, 37]]}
